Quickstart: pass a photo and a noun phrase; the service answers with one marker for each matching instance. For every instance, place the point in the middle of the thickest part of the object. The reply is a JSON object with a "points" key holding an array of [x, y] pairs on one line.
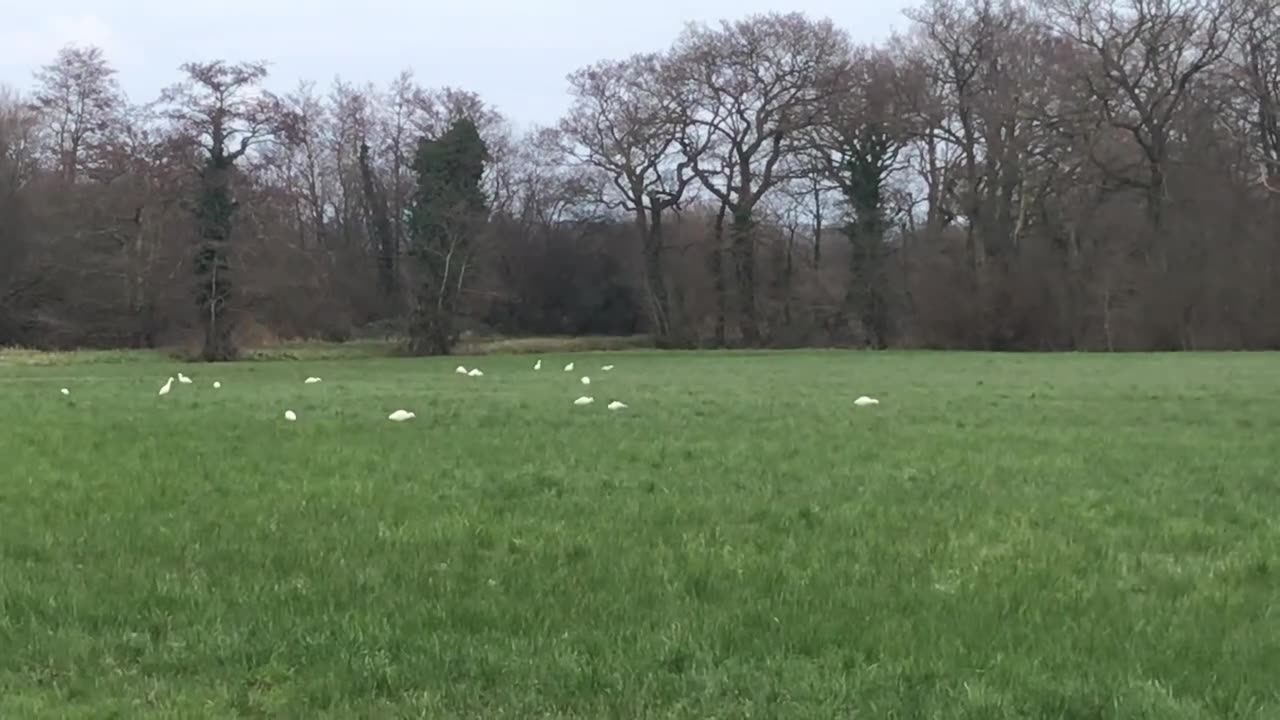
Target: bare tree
{"points": [[79, 99], [1146, 55], [748, 90], [1256, 64], [623, 124]]}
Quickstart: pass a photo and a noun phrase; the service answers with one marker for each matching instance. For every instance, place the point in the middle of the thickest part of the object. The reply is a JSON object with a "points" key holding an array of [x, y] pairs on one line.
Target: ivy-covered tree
{"points": [[869, 156], [448, 212], [220, 108]]}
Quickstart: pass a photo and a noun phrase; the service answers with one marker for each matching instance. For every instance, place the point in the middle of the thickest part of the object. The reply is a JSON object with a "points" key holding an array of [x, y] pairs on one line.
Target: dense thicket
{"points": [[1059, 174]]}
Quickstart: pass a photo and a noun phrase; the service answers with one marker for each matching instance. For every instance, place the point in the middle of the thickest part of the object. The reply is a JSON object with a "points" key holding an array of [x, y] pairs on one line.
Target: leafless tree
{"points": [[624, 123], [79, 99], [749, 89], [1145, 56]]}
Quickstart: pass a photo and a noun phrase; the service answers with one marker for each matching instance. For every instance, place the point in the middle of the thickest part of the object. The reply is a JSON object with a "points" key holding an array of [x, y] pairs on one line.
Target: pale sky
{"points": [[514, 53]]}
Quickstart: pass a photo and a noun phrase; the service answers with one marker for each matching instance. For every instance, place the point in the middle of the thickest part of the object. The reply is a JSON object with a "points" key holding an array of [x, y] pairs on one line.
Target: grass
{"points": [[1025, 536]]}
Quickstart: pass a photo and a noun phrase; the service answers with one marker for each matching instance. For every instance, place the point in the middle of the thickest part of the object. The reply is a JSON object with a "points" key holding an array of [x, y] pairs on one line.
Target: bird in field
{"points": [[477, 372], [607, 368], [460, 370], [617, 405], [568, 368], [401, 416], [184, 379], [586, 380], [167, 387], [537, 365], [290, 415], [865, 401], [584, 400]]}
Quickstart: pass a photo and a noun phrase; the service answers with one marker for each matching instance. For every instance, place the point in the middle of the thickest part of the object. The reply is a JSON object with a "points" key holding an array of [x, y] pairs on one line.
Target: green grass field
{"points": [[1025, 536]]}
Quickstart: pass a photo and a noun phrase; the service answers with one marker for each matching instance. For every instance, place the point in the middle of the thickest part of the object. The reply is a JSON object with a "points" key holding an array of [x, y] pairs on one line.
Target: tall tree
{"points": [[447, 214], [625, 123], [221, 109], [79, 99], [1146, 54], [749, 89], [857, 145]]}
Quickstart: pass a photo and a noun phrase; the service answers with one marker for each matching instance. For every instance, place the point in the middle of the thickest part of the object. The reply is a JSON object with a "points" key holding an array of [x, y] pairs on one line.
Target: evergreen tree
{"points": [[447, 213]]}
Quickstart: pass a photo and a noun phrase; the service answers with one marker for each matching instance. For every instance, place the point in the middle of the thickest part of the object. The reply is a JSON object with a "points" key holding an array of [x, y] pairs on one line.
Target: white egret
{"points": [[312, 381], [167, 387], [617, 405], [586, 380], [607, 368], [477, 372], [537, 365], [290, 415], [401, 416], [584, 400], [217, 385], [184, 379], [460, 370], [65, 391], [568, 368], [865, 401]]}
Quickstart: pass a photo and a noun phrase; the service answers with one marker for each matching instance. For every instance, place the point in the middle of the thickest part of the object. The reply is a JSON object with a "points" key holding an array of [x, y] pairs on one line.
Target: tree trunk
{"points": [[817, 226], [380, 225], [745, 265], [716, 266], [655, 282], [212, 261]]}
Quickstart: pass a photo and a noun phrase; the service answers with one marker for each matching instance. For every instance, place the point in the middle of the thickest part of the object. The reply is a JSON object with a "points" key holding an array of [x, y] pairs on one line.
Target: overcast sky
{"points": [[515, 53]]}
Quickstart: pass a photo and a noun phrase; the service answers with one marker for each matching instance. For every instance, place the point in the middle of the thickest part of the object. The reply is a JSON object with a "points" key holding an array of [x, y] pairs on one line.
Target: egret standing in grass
{"points": [[290, 415], [584, 400], [617, 405], [865, 401], [167, 387], [217, 385], [460, 370], [586, 380], [311, 381], [184, 379], [401, 416], [477, 372], [65, 391], [568, 368], [537, 365]]}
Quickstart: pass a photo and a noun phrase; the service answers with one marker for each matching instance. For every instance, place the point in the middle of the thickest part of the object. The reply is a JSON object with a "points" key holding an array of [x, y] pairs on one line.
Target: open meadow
{"points": [[1005, 536]]}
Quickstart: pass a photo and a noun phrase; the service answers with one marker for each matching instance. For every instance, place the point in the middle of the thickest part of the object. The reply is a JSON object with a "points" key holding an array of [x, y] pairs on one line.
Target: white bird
{"points": [[584, 400], [865, 401], [460, 370], [184, 379], [217, 385], [586, 380], [477, 372], [607, 368], [617, 405], [66, 391], [401, 416], [290, 415], [167, 387], [568, 368], [311, 381], [537, 365]]}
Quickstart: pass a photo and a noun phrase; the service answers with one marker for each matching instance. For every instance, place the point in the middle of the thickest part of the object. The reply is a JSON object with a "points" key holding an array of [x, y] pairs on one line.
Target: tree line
{"points": [[1046, 175]]}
